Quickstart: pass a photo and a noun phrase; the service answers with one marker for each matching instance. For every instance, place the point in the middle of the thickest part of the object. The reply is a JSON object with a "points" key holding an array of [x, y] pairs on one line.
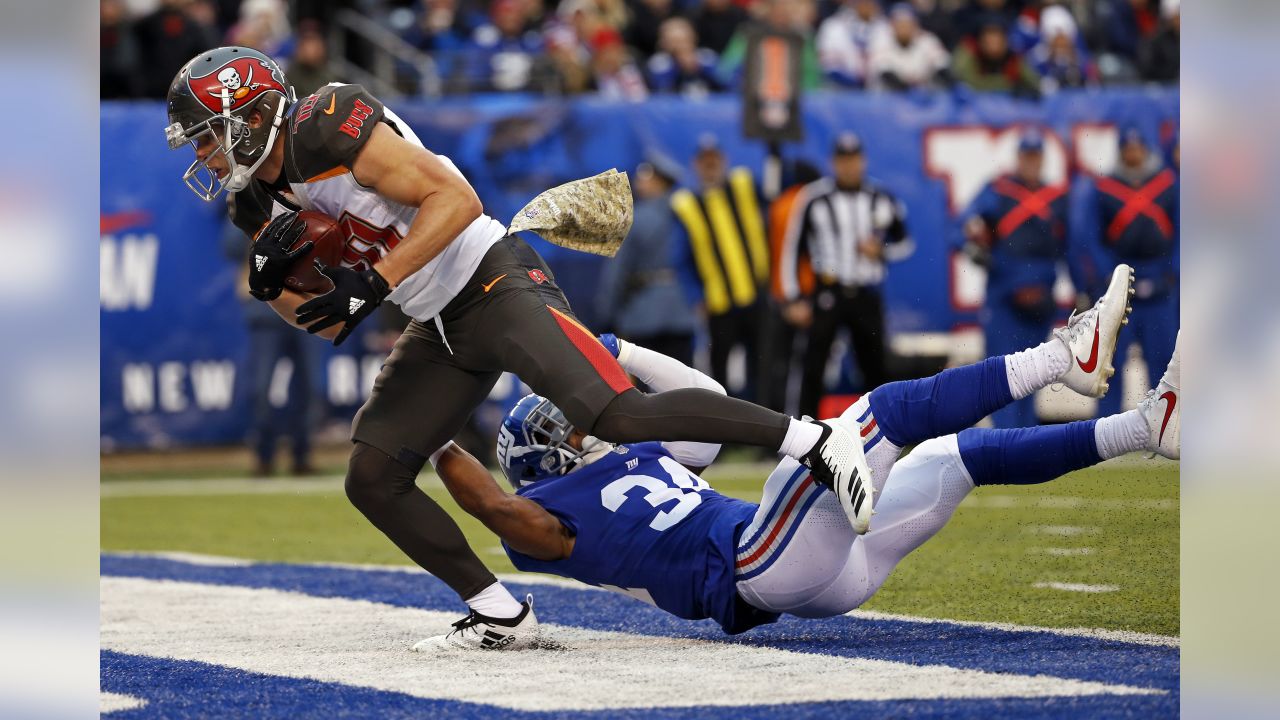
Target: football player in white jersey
{"points": [[482, 302], [636, 519]]}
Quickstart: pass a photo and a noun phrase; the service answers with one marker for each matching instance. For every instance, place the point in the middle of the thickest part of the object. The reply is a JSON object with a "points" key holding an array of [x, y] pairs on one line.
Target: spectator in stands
{"points": [[906, 57], [938, 18], [264, 25], [309, 67], [643, 32], [640, 297], [1059, 57], [442, 27], [568, 58], [970, 18], [987, 64], [168, 38], [722, 258], [1016, 229], [503, 51], [614, 74], [1123, 26], [849, 228], [681, 66], [715, 22], [844, 41], [796, 16], [1160, 55], [120, 55]]}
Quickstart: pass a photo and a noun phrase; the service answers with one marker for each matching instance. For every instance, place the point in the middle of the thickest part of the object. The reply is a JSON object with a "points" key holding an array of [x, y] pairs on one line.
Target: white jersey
{"points": [[324, 134]]}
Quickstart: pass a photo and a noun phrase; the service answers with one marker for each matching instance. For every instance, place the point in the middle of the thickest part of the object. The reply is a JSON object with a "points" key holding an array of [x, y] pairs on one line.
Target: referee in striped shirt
{"points": [[848, 228]]}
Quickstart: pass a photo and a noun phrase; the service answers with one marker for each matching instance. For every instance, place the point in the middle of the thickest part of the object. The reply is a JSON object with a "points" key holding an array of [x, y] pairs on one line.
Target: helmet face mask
{"points": [[202, 179], [533, 443], [211, 100]]}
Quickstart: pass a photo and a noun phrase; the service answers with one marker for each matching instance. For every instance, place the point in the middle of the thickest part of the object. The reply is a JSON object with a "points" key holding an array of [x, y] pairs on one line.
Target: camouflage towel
{"points": [[591, 215]]}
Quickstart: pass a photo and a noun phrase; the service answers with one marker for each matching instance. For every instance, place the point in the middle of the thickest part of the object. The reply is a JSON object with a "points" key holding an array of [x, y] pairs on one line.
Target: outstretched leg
{"points": [[904, 413]]}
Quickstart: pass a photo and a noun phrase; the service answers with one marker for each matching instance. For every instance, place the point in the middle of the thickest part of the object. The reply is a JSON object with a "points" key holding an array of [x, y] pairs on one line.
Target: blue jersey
{"points": [[647, 527]]}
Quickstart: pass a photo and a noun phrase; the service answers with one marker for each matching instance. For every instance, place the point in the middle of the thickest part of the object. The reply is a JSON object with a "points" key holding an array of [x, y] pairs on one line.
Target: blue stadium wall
{"points": [[174, 343]]}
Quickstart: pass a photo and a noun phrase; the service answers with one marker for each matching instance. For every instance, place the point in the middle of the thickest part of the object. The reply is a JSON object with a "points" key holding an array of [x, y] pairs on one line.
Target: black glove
{"points": [[352, 299], [271, 258]]}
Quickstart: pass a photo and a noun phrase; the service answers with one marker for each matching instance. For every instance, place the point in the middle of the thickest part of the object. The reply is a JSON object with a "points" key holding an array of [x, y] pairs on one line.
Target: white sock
{"points": [[800, 439], [1041, 366], [495, 602], [1118, 435]]}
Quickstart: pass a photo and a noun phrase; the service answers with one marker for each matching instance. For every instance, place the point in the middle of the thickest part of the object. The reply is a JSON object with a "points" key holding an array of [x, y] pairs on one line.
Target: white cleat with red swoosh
{"points": [[1162, 410], [1091, 336]]}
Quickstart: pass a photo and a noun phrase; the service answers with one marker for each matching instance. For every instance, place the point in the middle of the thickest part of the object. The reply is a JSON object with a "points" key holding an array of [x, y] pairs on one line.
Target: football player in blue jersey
{"points": [[637, 518]]}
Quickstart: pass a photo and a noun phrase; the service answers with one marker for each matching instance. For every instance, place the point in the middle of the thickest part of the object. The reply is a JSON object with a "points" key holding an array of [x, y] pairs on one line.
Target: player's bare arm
{"points": [[286, 306], [411, 175], [523, 524]]}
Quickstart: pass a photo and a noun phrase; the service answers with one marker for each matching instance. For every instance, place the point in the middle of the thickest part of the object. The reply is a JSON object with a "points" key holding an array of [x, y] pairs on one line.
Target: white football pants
{"points": [[800, 555]]}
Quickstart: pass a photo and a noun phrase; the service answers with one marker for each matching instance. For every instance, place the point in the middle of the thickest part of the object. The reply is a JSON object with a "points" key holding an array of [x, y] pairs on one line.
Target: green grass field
{"points": [[1114, 526]]}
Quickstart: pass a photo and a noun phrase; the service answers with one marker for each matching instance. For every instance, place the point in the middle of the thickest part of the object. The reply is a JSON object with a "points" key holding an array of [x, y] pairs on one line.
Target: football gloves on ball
{"points": [[353, 298], [271, 258]]}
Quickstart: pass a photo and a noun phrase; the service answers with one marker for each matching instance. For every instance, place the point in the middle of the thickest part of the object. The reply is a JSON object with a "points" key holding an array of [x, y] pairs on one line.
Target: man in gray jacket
{"points": [[639, 295]]}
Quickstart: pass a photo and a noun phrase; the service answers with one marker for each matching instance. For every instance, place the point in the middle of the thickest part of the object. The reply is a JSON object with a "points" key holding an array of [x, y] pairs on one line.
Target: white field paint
{"points": [[538, 579], [109, 702], [1062, 552], [1061, 530], [1066, 502], [366, 644], [1075, 587], [1127, 636]]}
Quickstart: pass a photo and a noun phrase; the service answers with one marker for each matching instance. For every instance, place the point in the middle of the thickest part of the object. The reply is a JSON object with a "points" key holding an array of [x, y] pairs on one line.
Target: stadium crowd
{"points": [[630, 49]]}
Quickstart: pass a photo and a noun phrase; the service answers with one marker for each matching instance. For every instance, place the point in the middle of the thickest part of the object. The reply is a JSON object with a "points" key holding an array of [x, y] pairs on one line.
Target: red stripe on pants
{"points": [[595, 353]]}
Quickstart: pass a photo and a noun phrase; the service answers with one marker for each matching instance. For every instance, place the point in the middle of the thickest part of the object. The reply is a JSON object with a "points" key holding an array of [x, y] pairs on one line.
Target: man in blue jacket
{"points": [[1131, 216], [1016, 229]]}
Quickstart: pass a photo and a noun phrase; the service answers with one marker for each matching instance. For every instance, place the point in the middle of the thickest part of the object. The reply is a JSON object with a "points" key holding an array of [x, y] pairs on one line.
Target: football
{"points": [[330, 241]]}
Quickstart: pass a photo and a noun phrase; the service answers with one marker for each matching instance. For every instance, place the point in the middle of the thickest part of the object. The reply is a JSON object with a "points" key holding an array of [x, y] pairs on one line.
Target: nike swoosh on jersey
{"points": [[333, 100], [493, 282], [1092, 362], [1170, 401]]}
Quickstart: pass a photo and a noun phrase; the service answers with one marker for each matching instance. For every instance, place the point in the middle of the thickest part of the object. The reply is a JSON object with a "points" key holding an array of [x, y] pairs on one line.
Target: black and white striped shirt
{"points": [[830, 223]]}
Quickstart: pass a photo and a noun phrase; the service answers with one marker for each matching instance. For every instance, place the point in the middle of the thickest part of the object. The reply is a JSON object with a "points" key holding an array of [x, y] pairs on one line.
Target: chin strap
{"points": [[241, 175]]}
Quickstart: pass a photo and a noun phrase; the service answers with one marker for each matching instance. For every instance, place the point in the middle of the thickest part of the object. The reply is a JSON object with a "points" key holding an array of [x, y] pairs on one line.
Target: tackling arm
{"points": [[411, 175], [661, 373], [522, 524]]}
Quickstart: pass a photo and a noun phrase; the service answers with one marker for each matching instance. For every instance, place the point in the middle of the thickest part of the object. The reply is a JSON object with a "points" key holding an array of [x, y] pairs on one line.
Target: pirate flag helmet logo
{"points": [[210, 103]]}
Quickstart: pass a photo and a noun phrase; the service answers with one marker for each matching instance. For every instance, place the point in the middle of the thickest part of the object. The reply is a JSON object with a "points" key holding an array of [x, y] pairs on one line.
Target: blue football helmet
{"points": [[533, 442]]}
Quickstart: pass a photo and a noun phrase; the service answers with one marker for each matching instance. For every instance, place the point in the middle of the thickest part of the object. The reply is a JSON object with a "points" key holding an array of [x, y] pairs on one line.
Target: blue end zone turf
{"points": [[181, 689]]}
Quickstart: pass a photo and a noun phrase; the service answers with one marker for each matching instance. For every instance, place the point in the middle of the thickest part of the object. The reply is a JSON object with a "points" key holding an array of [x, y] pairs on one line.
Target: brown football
{"points": [[330, 241]]}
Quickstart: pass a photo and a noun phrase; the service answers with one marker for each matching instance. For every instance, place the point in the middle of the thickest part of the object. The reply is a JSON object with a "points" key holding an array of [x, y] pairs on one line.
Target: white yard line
{"points": [[1076, 587], [109, 702], [1097, 633], [1062, 530], [1062, 552], [535, 579], [1066, 502], [365, 644]]}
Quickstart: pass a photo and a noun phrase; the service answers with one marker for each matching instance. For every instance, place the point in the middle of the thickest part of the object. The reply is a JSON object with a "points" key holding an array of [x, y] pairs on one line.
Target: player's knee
{"points": [[619, 422], [374, 479]]}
